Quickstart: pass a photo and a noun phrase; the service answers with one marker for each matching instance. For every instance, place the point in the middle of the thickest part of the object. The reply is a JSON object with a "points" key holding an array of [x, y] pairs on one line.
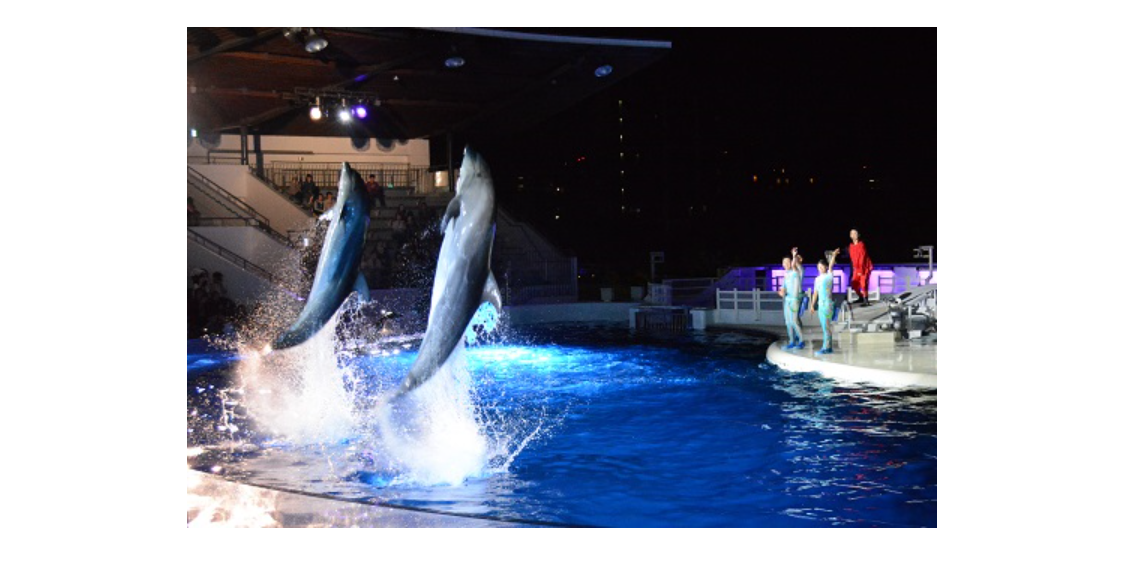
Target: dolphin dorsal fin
{"points": [[492, 293]]}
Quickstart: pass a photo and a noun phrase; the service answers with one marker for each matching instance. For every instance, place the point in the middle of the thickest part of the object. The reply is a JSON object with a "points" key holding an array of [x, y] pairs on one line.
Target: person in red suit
{"points": [[861, 266]]}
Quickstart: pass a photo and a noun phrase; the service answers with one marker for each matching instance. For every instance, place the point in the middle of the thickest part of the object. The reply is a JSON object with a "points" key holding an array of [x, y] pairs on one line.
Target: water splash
{"points": [[432, 436], [329, 400], [299, 393]]}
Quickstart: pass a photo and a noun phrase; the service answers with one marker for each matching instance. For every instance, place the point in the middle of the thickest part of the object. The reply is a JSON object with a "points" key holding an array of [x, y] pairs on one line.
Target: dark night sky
{"points": [[722, 107]]}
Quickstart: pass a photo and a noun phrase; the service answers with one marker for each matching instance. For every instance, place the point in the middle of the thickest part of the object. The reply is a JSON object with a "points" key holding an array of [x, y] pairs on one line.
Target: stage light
{"points": [[315, 42], [604, 70], [455, 62], [360, 111], [343, 114], [315, 112]]}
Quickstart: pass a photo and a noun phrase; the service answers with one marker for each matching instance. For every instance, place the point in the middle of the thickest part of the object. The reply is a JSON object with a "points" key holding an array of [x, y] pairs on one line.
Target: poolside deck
{"points": [[895, 364], [216, 502]]}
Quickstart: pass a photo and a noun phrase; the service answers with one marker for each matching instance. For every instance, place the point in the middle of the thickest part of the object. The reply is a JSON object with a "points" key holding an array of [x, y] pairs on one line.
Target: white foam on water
{"points": [[432, 436], [439, 434], [299, 393]]}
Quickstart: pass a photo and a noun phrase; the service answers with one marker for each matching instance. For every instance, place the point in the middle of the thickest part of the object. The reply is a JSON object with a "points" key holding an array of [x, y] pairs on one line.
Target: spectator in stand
{"points": [[308, 191], [375, 191], [218, 286], [295, 189], [861, 266], [399, 225], [318, 203], [421, 215], [194, 215]]}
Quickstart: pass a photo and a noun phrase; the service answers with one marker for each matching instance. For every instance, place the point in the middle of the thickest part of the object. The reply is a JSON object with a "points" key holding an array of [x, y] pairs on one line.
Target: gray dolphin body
{"points": [[337, 274], [462, 280]]}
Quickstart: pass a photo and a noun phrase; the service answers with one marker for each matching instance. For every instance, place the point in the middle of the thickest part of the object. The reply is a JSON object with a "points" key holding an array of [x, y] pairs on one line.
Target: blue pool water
{"points": [[599, 425]]}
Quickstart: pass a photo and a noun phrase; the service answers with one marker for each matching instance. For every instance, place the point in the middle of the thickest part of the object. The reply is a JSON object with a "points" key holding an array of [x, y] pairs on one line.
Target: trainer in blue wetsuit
{"points": [[791, 291], [822, 300]]}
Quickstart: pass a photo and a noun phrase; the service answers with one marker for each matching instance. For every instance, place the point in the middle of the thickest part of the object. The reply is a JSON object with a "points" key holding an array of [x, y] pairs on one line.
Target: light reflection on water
{"points": [[600, 426]]}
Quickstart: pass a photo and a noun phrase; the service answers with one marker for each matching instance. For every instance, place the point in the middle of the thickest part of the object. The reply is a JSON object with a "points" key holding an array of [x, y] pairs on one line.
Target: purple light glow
{"points": [[360, 112]]}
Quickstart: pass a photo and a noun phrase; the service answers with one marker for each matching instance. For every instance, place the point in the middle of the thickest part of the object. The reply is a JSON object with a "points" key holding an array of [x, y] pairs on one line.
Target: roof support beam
{"points": [[234, 44]]}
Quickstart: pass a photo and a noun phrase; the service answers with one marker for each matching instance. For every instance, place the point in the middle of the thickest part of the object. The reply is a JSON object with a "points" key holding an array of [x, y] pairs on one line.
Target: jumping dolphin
{"points": [[462, 280], [338, 271]]}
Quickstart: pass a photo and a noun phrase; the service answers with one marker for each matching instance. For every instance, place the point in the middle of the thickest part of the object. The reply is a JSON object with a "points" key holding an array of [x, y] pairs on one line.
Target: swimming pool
{"points": [[593, 425]]}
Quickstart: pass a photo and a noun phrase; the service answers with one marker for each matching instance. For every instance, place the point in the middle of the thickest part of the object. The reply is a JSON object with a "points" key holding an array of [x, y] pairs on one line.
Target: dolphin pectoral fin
{"points": [[492, 293], [362, 288], [452, 212]]}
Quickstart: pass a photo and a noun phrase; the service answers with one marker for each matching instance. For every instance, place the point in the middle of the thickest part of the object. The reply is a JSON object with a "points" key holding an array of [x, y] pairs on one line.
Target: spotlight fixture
{"points": [[316, 113], [315, 42], [343, 113], [455, 62], [360, 111], [604, 70]]}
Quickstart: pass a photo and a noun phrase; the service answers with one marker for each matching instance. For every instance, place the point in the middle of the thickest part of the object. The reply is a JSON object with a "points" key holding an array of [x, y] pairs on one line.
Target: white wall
{"points": [[251, 244], [237, 180], [416, 152], [568, 312]]}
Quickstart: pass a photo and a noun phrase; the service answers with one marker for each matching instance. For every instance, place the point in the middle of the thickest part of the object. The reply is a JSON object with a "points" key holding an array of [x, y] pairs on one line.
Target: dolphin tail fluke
{"points": [[492, 292], [362, 288]]}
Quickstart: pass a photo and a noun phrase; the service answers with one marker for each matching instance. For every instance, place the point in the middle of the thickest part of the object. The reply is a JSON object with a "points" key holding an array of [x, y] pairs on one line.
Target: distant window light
{"points": [[786, 181], [871, 181], [755, 178], [620, 138], [812, 180], [557, 217], [782, 170], [778, 181]]}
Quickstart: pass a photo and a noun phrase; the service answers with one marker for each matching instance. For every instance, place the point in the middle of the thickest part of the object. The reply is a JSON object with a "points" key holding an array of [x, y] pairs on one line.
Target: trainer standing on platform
{"points": [[861, 266]]}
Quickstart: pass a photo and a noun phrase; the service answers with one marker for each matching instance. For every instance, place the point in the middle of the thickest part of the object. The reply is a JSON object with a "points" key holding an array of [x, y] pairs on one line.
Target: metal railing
{"points": [[540, 280], [243, 213], [231, 257], [326, 174], [683, 292], [670, 318], [888, 278], [741, 306], [222, 197], [280, 189]]}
